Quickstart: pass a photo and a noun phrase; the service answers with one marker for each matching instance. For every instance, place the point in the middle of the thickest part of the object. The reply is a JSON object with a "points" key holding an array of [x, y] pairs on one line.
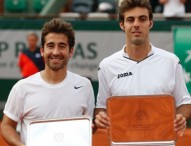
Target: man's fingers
{"points": [[180, 127], [102, 120], [179, 118], [100, 124], [180, 124], [103, 115]]}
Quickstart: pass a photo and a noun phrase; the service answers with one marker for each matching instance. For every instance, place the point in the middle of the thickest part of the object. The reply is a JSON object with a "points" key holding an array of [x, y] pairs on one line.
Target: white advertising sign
{"points": [[90, 48]]}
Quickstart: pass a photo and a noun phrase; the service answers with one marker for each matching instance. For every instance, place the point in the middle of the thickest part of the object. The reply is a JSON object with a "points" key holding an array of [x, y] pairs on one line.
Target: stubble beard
{"points": [[56, 67]]}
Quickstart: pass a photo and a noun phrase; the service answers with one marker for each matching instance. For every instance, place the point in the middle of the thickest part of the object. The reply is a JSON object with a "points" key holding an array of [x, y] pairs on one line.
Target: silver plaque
{"points": [[60, 132]]}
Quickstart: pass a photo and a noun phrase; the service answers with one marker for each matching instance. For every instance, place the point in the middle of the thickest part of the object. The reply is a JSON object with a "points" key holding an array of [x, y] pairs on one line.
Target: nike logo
{"points": [[75, 87]]}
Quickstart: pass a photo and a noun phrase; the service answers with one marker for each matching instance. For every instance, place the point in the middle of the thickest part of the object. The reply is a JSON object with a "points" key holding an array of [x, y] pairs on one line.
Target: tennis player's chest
{"points": [[141, 79], [55, 102]]}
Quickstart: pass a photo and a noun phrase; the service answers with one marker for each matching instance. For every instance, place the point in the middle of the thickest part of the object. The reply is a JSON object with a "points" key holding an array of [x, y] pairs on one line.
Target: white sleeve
{"points": [[14, 105], [103, 90], [90, 100], [180, 91]]}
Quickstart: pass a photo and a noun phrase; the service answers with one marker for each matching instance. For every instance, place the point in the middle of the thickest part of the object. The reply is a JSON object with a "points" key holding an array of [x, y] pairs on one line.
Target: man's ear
{"points": [[71, 52], [42, 51], [121, 24], [151, 24]]}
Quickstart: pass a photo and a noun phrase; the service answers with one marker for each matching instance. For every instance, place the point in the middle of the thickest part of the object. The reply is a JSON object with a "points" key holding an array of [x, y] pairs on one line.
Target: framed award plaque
{"points": [[141, 120], [60, 132]]}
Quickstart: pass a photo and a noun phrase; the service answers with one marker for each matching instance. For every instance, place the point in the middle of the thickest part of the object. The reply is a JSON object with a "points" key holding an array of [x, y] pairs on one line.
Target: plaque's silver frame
{"points": [[157, 143], [49, 122]]}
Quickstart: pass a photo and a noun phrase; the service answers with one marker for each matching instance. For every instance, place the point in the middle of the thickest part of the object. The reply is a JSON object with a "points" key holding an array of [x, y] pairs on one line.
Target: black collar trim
{"points": [[138, 61]]}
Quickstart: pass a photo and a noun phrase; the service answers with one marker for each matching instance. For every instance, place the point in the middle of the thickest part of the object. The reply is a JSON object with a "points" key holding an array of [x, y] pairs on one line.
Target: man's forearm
{"points": [[185, 110], [11, 136]]}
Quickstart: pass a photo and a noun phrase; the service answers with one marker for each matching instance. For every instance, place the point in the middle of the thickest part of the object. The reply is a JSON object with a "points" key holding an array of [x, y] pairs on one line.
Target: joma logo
{"points": [[124, 74]]}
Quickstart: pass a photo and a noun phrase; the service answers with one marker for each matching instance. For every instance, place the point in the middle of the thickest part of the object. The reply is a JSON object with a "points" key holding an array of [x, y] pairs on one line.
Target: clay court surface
{"points": [[100, 138]]}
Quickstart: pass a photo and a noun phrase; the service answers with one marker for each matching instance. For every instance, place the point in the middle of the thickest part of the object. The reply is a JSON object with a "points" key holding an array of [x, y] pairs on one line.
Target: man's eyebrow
{"points": [[143, 16], [49, 43], [62, 43], [136, 16], [129, 17]]}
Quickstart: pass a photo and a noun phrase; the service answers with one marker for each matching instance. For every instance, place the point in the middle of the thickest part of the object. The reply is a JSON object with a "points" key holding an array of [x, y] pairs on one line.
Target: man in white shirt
{"points": [[140, 68], [52, 93], [173, 8]]}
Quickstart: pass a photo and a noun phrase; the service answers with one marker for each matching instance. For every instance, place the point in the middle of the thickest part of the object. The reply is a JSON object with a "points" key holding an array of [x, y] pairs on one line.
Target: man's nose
{"points": [[136, 23], [56, 50]]}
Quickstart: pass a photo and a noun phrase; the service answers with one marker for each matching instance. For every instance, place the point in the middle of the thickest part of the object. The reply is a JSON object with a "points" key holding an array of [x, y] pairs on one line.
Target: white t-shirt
{"points": [[174, 8], [33, 99], [159, 73]]}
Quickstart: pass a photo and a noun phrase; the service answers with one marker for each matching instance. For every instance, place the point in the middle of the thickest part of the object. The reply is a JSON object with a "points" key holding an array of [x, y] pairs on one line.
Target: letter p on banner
{"points": [[3, 47]]}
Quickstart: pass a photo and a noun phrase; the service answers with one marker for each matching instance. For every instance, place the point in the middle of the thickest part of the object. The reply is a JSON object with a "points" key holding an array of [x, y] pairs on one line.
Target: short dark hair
{"points": [[31, 33], [57, 25], [126, 5]]}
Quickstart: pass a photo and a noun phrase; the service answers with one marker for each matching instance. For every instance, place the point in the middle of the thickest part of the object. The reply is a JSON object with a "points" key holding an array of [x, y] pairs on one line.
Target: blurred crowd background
{"points": [[56, 7]]}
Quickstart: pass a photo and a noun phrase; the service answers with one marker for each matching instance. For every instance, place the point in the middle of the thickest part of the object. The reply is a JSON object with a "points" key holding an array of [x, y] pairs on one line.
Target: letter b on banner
{"points": [[182, 48]]}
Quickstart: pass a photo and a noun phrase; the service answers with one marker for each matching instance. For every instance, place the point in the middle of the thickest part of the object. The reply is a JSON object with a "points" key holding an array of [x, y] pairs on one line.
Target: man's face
{"points": [[32, 42], [56, 51], [136, 25]]}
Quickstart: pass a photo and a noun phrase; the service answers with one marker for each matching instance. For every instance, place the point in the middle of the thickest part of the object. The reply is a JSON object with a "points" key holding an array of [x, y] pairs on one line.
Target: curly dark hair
{"points": [[57, 25]]}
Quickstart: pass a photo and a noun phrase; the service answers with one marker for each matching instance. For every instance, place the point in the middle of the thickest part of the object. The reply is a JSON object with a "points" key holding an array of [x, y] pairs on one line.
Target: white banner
{"points": [[91, 47]]}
